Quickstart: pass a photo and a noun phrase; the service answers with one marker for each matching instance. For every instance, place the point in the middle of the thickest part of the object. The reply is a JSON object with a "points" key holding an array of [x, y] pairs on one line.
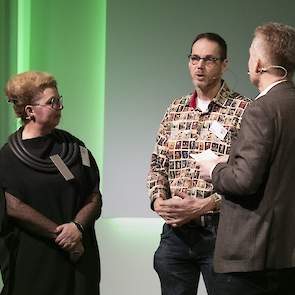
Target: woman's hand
{"points": [[68, 236]]}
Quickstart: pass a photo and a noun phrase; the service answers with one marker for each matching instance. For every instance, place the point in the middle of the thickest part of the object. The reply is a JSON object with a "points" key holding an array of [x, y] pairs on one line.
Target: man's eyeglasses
{"points": [[54, 102], [208, 59]]}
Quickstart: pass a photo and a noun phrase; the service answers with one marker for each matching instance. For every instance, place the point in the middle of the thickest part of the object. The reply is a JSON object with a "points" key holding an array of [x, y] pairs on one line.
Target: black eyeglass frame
{"points": [[207, 59], [55, 103]]}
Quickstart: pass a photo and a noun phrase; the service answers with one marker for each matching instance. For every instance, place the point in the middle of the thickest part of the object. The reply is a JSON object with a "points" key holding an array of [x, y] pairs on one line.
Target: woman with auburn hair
{"points": [[51, 198]]}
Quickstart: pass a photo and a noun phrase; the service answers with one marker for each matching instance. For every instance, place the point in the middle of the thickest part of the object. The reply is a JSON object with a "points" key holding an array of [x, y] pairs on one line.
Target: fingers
{"points": [[67, 246], [182, 195], [68, 236], [168, 217], [66, 241], [176, 222], [59, 228]]}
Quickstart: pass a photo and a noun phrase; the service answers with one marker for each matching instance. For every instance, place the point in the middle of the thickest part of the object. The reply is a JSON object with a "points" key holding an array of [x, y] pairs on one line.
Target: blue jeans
{"points": [[268, 282], [182, 255]]}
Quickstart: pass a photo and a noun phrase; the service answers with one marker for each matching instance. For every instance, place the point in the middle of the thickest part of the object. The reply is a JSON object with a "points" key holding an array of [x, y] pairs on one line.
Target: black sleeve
{"points": [[91, 209], [3, 214]]}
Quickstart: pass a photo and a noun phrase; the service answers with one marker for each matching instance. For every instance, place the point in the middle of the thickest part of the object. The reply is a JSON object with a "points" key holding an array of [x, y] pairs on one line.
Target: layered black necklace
{"points": [[69, 151]]}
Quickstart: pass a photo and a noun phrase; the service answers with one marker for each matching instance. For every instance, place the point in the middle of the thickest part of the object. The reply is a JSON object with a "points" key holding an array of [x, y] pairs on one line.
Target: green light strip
{"points": [[23, 38], [134, 225], [23, 35], [28, 56]]}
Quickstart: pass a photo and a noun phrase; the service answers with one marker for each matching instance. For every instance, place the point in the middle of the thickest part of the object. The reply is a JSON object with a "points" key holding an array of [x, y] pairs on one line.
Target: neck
{"points": [[208, 93], [32, 130], [267, 80]]}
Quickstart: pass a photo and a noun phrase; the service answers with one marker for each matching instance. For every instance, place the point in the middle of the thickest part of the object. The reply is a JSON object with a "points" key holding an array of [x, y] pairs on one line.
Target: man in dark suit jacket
{"points": [[255, 247]]}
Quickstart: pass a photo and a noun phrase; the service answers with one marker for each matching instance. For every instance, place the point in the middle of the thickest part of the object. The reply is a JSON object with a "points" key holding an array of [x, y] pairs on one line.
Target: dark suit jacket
{"points": [[257, 223]]}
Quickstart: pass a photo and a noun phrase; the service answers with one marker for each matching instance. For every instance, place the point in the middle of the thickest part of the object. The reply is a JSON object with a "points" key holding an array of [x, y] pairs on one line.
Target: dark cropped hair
{"points": [[215, 38], [279, 44]]}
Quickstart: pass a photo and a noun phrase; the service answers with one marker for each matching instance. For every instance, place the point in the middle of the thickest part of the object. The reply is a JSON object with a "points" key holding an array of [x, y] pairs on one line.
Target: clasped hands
{"points": [[182, 208], [69, 238]]}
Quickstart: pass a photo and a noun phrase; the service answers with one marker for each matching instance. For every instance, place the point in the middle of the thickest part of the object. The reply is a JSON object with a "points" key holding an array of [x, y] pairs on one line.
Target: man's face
{"points": [[206, 74], [252, 63]]}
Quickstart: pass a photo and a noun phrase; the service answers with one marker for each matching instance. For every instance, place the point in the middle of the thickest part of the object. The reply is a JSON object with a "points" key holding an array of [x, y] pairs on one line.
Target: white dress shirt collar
{"points": [[262, 93]]}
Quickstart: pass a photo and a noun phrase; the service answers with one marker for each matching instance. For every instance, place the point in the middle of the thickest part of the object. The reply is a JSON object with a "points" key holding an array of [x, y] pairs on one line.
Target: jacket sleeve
{"points": [[250, 156]]}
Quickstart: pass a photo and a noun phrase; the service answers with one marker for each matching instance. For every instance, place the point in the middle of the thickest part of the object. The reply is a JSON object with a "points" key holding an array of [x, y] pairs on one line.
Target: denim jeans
{"points": [[182, 255], [268, 282]]}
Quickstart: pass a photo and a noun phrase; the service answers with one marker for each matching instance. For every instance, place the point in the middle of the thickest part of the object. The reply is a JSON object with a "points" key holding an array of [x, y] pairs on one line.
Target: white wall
{"points": [[146, 67], [127, 246]]}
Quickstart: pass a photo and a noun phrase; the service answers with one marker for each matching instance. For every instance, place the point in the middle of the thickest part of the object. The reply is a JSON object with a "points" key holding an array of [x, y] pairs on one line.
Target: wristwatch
{"points": [[79, 226]]}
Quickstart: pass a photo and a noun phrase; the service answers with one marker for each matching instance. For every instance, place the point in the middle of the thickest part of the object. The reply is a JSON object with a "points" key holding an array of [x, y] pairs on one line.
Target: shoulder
{"points": [[232, 99], [178, 103], [239, 97], [235, 103], [6, 156], [68, 136], [73, 139], [260, 112], [5, 150]]}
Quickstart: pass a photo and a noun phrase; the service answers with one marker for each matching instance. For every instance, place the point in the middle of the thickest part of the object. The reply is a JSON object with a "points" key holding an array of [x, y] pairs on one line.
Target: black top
{"points": [[34, 265]]}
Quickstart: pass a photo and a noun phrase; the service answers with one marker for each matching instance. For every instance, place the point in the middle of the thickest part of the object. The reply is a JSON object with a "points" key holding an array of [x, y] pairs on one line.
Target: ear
{"points": [[224, 65], [259, 66], [29, 112]]}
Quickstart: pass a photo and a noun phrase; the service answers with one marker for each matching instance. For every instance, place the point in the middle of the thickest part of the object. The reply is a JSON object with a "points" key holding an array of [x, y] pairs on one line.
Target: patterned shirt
{"points": [[185, 130]]}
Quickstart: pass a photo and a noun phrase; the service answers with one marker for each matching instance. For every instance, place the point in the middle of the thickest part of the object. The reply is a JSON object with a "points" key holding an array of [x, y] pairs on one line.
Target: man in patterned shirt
{"points": [[208, 119]]}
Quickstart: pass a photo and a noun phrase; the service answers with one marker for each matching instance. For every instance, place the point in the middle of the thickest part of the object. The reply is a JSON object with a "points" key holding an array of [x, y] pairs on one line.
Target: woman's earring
{"points": [[30, 118]]}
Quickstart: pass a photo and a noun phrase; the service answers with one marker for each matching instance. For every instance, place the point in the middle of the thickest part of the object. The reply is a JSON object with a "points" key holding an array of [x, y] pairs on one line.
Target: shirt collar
{"points": [[267, 89], [220, 98]]}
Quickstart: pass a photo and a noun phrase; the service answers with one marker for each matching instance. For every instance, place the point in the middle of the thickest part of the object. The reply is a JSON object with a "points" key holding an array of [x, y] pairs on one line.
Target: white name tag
{"points": [[217, 129], [84, 156], [62, 167]]}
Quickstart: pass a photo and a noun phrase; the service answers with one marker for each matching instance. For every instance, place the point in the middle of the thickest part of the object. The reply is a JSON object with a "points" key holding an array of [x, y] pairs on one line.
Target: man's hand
{"points": [[162, 208], [182, 208]]}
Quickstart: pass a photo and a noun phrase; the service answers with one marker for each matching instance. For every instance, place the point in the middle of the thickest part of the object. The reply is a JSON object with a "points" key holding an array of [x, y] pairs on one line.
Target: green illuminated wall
{"points": [[67, 39], [8, 62]]}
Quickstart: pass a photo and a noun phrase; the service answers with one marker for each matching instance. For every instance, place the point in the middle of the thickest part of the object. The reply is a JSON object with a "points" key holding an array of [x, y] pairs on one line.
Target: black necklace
{"points": [[69, 151]]}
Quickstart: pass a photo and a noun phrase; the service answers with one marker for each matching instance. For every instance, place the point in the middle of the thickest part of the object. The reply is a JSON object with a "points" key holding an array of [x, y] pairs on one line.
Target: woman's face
{"points": [[46, 108]]}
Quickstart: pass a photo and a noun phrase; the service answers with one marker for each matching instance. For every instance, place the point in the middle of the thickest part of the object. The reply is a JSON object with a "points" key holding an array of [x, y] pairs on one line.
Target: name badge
{"points": [[84, 156], [62, 167], [217, 129]]}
